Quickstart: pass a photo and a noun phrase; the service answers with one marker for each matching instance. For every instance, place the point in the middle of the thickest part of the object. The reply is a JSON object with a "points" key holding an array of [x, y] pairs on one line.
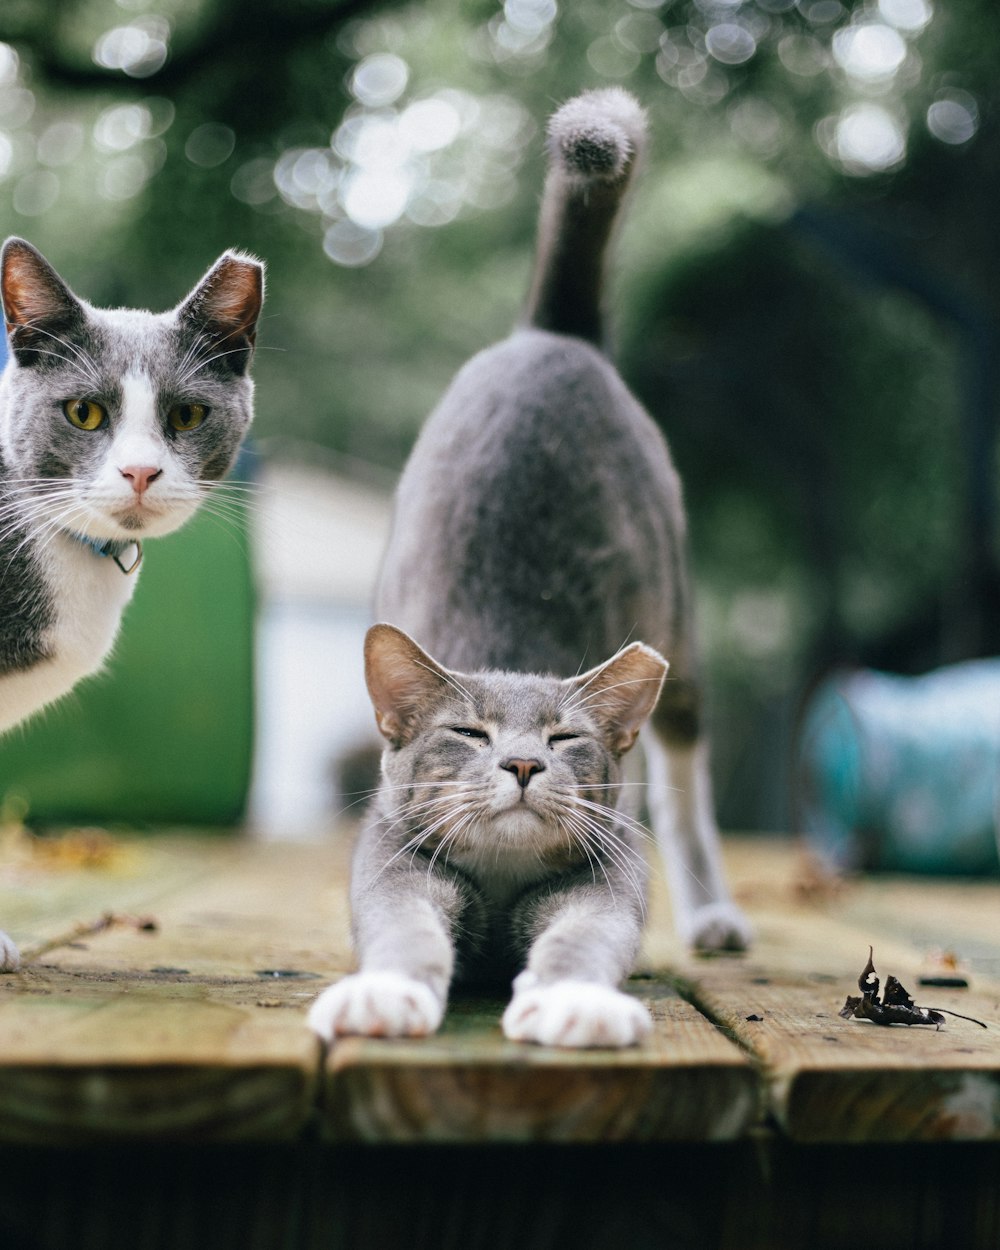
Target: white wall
{"points": [[318, 539]]}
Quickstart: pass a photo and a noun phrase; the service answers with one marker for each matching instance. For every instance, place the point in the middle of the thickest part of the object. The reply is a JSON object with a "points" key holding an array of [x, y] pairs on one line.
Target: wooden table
{"points": [[158, 1067]]}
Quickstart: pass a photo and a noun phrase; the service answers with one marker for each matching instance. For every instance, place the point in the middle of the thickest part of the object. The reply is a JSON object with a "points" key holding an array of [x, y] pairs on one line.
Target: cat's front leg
{"points": [[576, 1014], [376, 1004], [406, 958], [582, 948], [10, 959]]}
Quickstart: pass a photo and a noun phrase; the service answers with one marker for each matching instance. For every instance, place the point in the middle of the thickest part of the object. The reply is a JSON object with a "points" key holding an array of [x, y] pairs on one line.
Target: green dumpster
{"points": [[164, 733]]}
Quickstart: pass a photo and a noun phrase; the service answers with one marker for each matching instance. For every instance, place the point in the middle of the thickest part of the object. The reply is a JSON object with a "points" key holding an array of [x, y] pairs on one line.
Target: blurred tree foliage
{"points": [[805, 297]]}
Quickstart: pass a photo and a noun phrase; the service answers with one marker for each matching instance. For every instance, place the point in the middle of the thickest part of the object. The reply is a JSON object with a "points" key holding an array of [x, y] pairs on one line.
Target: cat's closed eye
{"points": [[554, 739], [467, 731]]}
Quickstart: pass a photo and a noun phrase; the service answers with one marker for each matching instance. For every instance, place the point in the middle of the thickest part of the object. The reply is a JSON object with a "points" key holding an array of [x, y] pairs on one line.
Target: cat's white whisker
{"points": [[81, 360], [451, 680], [452, 835], [615, 814], [629, 862], [595, 852], [203, 362], [114, 375], [476, 542], [618, 685]]}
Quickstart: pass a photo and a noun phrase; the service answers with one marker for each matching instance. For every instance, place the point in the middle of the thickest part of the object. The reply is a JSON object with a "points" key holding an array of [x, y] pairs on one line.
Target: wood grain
{"points": [[685, 1083], [183, 1032], [834, 1080]]}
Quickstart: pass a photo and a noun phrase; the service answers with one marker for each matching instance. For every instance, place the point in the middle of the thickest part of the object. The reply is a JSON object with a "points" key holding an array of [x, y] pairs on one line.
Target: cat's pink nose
{"points": [[140, 475], [523, 770]]}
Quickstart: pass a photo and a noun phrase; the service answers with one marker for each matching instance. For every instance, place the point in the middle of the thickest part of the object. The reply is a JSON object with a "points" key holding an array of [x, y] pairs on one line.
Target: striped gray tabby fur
{"points": [[538, 527]]}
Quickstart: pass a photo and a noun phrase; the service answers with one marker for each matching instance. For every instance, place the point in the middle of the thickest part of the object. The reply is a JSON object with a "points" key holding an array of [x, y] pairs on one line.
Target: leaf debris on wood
{"points": [[896, 1005]]}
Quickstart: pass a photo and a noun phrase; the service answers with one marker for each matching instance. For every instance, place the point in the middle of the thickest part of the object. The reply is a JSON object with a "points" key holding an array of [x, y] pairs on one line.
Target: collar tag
{"points": [[127, 555], [129, 559]]}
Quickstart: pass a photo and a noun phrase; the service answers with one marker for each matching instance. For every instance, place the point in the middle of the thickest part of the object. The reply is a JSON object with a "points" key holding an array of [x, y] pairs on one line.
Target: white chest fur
{"points": [[89, 593]]}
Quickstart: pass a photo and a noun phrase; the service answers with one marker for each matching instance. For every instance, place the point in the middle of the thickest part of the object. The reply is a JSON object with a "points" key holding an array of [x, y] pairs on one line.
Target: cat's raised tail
{"points": [[594, 142]]}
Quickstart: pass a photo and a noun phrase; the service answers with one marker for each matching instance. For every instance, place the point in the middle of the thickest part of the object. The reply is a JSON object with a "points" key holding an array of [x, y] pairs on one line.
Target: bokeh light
{"points": [[379, 79], [865, 138], [138, 49], [210, 144], [870, 51], [953, 118]]}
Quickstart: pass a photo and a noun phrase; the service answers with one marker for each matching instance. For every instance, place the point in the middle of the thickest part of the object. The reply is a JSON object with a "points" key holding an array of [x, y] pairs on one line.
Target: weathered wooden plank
{"points": [[836, 1080], [468, 1084], [141, 1064], [47, 885], [183, 1032]]}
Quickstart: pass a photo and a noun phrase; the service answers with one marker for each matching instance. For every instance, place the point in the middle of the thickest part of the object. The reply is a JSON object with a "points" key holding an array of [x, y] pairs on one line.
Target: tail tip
{"points": [[597, 135]]}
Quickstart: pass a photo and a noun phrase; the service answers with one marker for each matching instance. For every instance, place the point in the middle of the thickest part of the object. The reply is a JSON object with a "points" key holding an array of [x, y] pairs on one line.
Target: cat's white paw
{"points": [[575, 1013], [10, 958], [717, 927], [376, 1004]]}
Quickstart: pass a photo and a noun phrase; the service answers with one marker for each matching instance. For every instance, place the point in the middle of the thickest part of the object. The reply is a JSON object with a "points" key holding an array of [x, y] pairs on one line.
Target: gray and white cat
{"points": [[538, 526], [114, 425]]}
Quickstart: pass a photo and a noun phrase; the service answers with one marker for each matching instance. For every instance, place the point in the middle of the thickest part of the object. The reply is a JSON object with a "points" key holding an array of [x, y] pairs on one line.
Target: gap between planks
{"points": [[848, 1081], [96, 1043]]}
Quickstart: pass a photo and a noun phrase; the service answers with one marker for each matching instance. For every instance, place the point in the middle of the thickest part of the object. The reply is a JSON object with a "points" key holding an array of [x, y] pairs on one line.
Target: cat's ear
{"points": [[39, 308], [403, 681], [225, 305], [622, 692]]}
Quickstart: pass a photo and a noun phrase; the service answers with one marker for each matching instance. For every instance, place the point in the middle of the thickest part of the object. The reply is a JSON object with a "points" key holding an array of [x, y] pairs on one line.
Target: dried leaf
{"points": [[868, 982], [896, 1005]]}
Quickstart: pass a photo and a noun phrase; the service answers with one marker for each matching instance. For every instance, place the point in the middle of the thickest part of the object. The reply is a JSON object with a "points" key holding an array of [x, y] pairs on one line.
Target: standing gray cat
{"points": [[538, 526], [114, 425]]}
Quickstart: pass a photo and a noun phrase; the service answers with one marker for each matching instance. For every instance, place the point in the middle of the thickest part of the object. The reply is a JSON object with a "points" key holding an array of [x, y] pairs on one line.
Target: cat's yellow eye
{"points": [[85, 414], [184, 417]]}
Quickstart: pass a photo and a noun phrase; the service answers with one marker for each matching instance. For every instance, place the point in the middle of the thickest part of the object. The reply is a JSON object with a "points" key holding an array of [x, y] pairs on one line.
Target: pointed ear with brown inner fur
{"points": [[39, 308], [403, 681], [621, 693], [226, 304]]}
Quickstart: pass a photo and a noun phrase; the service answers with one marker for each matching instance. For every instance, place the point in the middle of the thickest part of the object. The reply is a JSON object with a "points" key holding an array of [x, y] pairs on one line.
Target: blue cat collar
{"points": [[112, 548]]}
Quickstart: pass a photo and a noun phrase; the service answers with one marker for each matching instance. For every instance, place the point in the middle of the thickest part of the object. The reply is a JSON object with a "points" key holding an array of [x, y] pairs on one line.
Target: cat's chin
{"points": [[517, 822], [146, 522]]}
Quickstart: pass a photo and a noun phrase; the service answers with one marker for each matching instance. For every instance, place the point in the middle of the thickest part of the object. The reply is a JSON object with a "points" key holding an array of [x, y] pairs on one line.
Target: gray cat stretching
{"points": [[538, 527], [115, 425]]}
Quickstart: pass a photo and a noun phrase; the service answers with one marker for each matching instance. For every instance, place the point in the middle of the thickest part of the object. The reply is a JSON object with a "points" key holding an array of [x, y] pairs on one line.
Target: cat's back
{"points": [[537, 409], [538, 511]]}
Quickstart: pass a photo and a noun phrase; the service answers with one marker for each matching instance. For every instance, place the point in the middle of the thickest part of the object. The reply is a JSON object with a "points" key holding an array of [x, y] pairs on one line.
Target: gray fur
{"points": [[72, 349], [538, 528], [447, 804], [72, 500]]}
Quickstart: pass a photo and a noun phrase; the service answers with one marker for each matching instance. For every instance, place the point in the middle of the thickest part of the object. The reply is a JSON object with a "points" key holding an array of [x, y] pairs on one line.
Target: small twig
{"points": [[88, 928], [958, 1016]]}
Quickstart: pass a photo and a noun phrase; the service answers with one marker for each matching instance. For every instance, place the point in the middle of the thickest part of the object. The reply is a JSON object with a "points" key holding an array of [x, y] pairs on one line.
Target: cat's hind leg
{"points": [[10, 959], [682, 816]]}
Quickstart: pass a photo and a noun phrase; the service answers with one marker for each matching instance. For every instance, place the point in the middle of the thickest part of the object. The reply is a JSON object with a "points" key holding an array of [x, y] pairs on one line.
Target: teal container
{"points": [[903, 773], [164, 735]]}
